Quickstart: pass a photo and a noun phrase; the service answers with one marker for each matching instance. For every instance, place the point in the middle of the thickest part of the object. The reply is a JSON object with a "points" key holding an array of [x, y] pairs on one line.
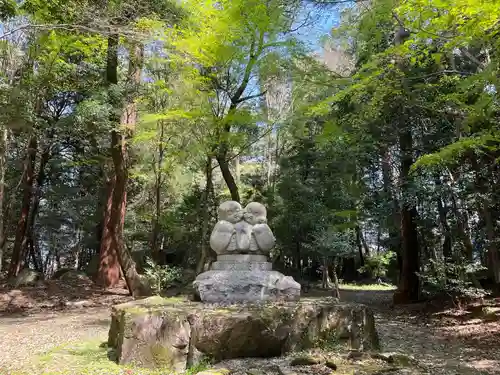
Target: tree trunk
{"points": [[155, 245], [37, 264], [40, 181], [108, 274], [493, 257], [3, 169], [101, 207], [485, 206], [335, 279], [28, 177], [237, 170], [135, 283], [363, 241], [442, 210], [227, 175], [360, 246], [409, 285], [325, 277], [206, 253], [461, 227], [395, 222]]}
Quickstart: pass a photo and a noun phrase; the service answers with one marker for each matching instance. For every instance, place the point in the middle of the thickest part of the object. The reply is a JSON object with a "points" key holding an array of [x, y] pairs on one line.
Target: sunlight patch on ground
{"points": [[85, 358], [366, 287]]}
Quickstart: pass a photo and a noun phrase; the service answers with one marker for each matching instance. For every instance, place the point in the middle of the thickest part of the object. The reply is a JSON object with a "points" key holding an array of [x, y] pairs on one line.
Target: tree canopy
{"points": [[125, 124]]}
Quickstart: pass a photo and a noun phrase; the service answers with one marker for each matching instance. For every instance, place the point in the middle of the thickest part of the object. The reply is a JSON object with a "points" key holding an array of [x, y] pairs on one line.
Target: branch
{"points": [[105, 29], [446, 71], [254, 55], [248, 145], [251, 97], [472, 58]]}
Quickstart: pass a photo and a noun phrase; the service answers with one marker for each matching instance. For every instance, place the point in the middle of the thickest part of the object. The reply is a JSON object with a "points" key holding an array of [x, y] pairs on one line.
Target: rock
{"points": [[80, 304], [26, 277], [355, 355], [75, 277], [245, 286], [215, 371], [144, 336], [330, 364], [397, 359], [255, 371], [173, 333], [305, 361], [383, 357], [285, 371], [60, 272]]}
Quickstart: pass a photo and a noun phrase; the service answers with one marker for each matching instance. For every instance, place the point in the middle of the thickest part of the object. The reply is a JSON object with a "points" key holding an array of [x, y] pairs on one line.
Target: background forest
{"points": [[125, 123]]}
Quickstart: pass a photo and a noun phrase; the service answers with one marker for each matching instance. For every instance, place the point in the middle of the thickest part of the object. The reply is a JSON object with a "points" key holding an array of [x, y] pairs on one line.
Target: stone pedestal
{"points": [[245, 282], [171, 334], [242, 262]]}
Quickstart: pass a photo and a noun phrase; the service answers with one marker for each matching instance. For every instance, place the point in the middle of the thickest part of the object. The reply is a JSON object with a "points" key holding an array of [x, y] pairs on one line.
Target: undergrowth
{"points": [[87, 358]]}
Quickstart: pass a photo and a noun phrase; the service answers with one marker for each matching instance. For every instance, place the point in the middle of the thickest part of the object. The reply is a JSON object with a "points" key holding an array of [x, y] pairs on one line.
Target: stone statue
{"points": [[242, 240], [242, 231]]}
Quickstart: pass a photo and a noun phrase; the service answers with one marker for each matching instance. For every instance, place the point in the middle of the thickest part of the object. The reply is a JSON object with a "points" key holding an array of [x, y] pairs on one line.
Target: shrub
{"points": [[376, 265], [453, 278], [161, 277]]}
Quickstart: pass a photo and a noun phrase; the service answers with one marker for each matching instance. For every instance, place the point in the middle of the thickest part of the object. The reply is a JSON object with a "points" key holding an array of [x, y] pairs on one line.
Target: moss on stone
{"points": [[161, 355]]}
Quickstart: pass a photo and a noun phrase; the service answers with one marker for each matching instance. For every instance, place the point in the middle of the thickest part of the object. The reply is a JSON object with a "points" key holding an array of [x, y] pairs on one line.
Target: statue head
{"points": [[255, 213], [230, 211]]}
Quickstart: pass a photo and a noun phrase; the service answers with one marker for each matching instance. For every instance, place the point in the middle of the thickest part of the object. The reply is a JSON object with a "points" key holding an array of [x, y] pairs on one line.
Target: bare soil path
{"points": [[449, 342], [453, 341], [26, 337]]}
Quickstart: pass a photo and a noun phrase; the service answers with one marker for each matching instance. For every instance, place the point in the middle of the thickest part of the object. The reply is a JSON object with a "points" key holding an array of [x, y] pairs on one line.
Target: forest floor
{"points": [[36, 326]]}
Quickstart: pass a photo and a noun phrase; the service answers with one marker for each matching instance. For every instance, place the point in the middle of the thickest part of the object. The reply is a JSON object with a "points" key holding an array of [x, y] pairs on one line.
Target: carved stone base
{"points": [[242, 262], [239, 286]]}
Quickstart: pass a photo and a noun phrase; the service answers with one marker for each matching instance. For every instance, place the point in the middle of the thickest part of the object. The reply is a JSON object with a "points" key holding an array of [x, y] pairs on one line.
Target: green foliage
{"points": [[8, 9], [161, 277], [376, 265], [455, 152], [333, 243], [323, 148], [452, 278], [200, 366]]}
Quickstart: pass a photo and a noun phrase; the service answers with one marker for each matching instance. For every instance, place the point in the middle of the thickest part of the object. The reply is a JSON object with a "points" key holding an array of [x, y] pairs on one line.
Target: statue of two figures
{"points": [[242, 240], [242, 231]]}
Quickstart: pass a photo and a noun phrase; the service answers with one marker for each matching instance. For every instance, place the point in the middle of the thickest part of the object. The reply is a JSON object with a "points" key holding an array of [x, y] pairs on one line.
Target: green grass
{"points": [[86, 358], [366, 287]]}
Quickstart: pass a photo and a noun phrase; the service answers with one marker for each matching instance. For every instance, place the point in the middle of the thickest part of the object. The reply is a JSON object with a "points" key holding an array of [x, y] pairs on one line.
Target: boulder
{"points": [[150, 333], [57, 275], [175, 334], [26, 277], [75, 277], [234, 286]]}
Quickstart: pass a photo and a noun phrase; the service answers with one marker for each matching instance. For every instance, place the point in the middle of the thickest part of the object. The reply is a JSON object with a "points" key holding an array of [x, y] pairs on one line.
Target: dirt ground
{"points": [[453, 341]]}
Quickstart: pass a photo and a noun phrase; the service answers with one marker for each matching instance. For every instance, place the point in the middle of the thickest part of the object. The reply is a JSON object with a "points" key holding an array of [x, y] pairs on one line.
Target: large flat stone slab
{"points": [[238, 286], [174, 334]]}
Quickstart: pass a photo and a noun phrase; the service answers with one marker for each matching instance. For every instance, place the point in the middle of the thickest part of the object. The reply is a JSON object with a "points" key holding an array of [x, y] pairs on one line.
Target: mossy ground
{"points": [[86, 358]]}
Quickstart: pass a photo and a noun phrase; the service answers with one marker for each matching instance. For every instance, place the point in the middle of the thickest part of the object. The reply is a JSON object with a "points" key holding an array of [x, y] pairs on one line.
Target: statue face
{"points": [[230, 211], [255, 213]]}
